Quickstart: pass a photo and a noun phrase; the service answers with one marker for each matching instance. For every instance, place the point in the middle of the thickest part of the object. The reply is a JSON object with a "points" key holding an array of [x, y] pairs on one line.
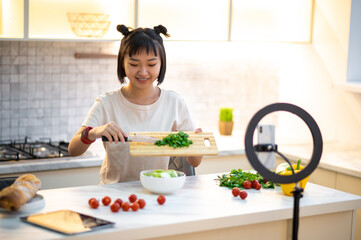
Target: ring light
{"points": [[316, 136]]}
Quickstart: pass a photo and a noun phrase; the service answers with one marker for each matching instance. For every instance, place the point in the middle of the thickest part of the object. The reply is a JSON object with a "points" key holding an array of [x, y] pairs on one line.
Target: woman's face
{"points": [[142, 69]]}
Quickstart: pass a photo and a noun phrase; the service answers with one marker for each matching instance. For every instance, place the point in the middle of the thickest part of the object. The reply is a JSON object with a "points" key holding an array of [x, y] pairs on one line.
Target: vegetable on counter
{"points": [[106, 201], [176, 140], [93, 203], [237, 192], [134, 203], [286, 167], [236, 178], [132, 198], [243, 194], [161, 199], [286, 170]]}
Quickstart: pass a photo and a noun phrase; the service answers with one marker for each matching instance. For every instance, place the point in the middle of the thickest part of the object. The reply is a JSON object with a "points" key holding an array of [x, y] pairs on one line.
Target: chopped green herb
{"points": [[236, 178], [176, 140]]}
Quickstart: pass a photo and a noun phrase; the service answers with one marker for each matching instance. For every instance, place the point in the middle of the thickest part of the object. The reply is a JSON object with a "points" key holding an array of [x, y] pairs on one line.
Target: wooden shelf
{"points": [[95, 55]]}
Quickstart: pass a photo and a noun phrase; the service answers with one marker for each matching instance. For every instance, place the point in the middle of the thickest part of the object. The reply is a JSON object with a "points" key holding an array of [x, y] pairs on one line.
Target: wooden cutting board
{"points": [[198, 148]]}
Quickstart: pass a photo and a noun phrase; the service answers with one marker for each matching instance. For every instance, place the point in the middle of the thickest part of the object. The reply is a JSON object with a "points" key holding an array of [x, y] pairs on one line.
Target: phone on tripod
{"points": [[266, 135]]}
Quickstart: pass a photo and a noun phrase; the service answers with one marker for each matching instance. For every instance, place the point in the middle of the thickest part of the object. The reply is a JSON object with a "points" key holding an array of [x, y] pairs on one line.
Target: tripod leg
{"points": [[297, 194]]}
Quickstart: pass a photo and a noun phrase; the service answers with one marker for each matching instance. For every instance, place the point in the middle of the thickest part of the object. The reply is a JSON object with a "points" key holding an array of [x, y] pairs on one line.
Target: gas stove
{"points": [[25, 149]]}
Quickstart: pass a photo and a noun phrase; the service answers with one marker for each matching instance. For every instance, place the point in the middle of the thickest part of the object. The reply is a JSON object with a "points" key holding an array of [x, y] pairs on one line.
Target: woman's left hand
{"points": [[195, 160]]}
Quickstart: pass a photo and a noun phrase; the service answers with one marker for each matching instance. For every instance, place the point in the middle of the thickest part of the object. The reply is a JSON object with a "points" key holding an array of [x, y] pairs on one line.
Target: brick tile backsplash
{"points": [[47, 92]]}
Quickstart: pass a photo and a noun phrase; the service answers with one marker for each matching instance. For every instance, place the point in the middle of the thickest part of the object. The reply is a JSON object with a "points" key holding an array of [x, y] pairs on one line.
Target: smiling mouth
{"points": [[142, 79]]}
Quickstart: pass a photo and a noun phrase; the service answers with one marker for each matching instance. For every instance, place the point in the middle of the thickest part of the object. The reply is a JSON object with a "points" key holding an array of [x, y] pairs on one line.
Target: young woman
{"points": [[138, 106]]}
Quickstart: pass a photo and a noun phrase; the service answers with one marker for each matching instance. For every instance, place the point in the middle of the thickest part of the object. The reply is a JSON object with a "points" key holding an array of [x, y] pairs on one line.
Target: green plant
{"points": [[226, 114]]}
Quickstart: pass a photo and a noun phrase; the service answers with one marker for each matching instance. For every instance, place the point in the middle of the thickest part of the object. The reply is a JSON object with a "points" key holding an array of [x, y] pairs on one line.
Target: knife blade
{"points": [[135, 138]]}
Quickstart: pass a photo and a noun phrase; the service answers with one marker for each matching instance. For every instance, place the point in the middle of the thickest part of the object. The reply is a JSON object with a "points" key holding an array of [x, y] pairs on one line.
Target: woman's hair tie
{"points": [[161, 29], [123, 29]]}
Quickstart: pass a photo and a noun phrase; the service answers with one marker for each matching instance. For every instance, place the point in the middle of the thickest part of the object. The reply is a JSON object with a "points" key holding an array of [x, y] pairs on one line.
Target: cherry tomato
{"points": [[93, 203], [258, 186], [243, 194], [265, 180], [235, 191], [254, 183], [119, 200], [125, 206], [161, 199], [141, 202], [135, 206], [115, 207], [247, 184], [132, 198], [106, 200], [90, 200]]}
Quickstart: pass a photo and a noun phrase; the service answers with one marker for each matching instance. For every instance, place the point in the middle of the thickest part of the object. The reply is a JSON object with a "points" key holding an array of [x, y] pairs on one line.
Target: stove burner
{"points": [[23, 149]]}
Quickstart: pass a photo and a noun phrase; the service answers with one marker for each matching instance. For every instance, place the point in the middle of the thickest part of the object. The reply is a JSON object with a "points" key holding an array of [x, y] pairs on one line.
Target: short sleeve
{"points": [[185, 122], [96, 114]]}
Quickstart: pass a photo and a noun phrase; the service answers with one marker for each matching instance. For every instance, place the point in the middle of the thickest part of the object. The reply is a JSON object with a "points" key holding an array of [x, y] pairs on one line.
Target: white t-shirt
{"points": [[168, 113]]}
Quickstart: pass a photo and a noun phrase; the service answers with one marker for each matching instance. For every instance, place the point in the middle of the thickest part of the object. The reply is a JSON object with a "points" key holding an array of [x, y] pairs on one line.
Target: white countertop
{"points": [[200, 205], [336, 156]]}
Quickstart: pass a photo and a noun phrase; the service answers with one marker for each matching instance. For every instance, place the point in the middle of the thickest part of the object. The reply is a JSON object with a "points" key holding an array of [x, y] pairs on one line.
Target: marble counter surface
{"points": [[201, 205], [336, 157]]}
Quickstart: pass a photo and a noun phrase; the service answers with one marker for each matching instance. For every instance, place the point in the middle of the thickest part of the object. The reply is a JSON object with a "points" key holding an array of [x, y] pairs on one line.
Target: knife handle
{"points": [[105, 139]]}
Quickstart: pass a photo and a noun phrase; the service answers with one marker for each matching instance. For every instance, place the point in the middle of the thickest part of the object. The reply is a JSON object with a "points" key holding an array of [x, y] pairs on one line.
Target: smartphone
{"points": [[266, 135]]}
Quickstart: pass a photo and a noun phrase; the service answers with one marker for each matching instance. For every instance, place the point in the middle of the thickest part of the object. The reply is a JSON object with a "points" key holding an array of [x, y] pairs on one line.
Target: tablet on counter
{"points": [[67, 222]]}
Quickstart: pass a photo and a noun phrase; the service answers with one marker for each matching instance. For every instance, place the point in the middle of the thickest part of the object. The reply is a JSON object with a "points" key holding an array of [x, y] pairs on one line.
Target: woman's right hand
{"points": [[110, 130]]}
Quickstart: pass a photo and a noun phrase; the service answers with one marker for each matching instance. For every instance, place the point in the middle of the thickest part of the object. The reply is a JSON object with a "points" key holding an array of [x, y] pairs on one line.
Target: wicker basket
{"points": [[89, 24]]}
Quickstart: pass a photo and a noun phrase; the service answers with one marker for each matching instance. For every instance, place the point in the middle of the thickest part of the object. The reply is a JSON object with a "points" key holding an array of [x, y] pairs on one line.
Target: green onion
{"points": [[175, 140]]}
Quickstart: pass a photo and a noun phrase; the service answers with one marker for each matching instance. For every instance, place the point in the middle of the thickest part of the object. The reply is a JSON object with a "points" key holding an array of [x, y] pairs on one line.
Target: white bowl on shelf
{"points": [[162, 185]]}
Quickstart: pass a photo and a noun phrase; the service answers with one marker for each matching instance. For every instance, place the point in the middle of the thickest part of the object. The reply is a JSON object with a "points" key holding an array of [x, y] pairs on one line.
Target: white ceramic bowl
{"points": [[162, 185]]}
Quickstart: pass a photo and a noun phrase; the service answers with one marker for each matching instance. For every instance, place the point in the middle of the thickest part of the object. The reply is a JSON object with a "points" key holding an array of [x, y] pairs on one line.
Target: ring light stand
{"points": [[271, 176]]}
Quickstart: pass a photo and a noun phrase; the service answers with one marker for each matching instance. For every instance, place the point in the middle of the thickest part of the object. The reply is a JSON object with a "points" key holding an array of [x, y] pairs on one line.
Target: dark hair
{"points": [[138, 40]]}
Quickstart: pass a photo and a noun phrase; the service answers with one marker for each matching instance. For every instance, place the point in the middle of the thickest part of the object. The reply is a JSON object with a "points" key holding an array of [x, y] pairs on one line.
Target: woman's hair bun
{"points": [[161, 29], [123, 29]]}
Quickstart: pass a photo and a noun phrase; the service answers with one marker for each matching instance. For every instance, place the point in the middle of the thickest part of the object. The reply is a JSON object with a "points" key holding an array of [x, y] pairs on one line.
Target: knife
{"points": [[135, 138]]}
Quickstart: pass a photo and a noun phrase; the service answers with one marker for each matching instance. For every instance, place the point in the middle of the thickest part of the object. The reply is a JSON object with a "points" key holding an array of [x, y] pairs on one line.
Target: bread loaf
{"points": [[22, 190]]}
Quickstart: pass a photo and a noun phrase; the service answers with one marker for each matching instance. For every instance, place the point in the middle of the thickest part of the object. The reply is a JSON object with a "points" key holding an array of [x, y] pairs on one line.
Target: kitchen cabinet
{"points": [[12, 19], [203, 20], [278, 20], [65, 19], [41, 19], [202, 210]]}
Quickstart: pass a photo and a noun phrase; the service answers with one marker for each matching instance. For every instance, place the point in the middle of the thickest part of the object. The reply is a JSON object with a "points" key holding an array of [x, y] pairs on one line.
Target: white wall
{"points": [[309, 72], [46, 92]]}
